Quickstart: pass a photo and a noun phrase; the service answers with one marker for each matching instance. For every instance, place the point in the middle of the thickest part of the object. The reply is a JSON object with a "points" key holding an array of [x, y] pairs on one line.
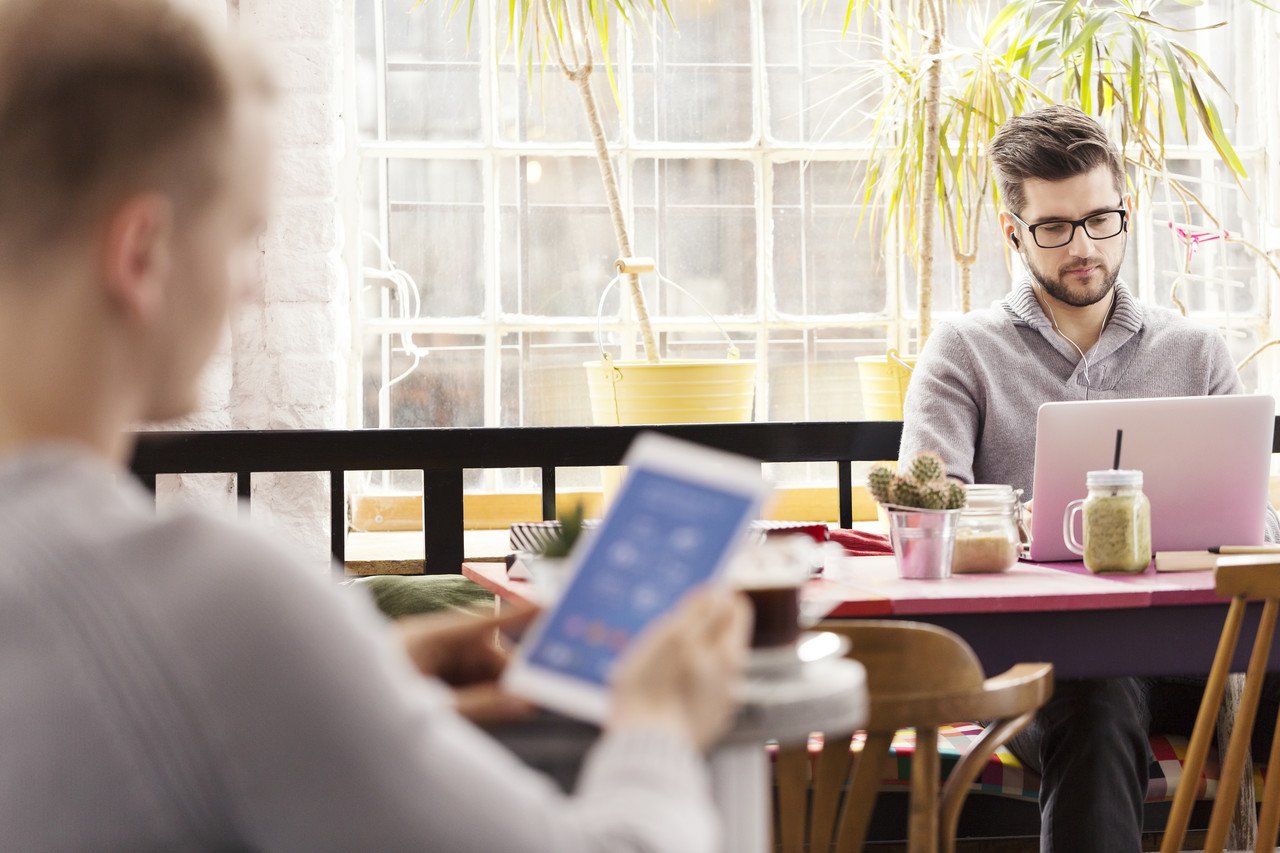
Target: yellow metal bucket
{"points": [[708, 391], [884, 381]]}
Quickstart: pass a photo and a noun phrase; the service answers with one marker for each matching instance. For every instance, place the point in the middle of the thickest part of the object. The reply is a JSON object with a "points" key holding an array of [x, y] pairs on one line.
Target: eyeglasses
{"points": [[1059, 232]]}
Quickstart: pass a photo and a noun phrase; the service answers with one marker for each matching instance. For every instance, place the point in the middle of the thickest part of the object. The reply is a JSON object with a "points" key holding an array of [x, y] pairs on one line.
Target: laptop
{"points": [[1206, 465]]}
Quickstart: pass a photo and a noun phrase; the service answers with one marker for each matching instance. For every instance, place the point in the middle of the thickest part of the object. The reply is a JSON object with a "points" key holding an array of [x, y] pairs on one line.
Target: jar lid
{"points": [[991, 496], [1114, 477]]}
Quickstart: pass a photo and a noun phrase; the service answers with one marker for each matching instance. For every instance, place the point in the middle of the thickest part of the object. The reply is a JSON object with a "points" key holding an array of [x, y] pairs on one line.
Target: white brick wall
{"points": [[284, 363]]}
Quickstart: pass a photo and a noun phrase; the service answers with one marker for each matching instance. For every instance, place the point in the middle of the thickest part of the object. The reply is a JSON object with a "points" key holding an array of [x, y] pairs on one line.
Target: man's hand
{"points": [[459, 649]]}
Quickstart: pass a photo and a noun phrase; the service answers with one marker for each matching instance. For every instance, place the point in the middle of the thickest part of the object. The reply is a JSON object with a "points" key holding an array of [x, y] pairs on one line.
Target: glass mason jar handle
{"points": [[1069, 527]]}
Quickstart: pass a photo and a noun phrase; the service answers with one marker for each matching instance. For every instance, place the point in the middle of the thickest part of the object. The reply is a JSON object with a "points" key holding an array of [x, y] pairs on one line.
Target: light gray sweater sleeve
{"points": [[942, 411], [353, 750]]}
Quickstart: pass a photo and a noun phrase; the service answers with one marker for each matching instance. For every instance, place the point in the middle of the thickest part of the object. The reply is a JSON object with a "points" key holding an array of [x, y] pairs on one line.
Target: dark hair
{"points": [[100, 99], [1050, 144]]}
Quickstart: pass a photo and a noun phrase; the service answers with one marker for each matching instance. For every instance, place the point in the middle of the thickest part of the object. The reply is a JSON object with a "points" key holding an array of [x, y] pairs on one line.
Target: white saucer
{"points": [[812, 646]]}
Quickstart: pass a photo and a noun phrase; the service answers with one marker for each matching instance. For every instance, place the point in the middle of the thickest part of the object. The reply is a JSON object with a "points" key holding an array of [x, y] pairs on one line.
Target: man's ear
{"points": [[1010, 229], [136, 254], [1127, 201]]}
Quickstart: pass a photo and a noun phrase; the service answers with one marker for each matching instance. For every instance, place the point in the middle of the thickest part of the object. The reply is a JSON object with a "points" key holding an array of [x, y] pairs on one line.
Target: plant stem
{"points": [[966, 262], [580, 74], [929, 178]]}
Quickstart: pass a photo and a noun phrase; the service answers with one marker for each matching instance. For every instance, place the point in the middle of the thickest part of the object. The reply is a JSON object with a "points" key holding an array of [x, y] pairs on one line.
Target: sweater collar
{"points": [[1024, 309]]}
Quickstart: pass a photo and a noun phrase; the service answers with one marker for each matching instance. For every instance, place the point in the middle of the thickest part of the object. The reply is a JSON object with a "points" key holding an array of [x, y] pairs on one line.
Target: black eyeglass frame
{"points": [[1074, 223]]}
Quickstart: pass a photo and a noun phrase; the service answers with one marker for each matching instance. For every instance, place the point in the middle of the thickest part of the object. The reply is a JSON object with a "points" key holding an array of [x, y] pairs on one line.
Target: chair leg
{"points": [[966, 771], [828, 784], [1242, 833], [1269, 821], [1229, 782], [1185, 797], [792, 774], [862, 792], [922, 826]]}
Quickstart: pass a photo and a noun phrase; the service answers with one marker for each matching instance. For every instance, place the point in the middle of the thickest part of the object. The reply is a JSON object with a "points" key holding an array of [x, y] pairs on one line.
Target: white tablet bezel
{"points": [[692, 463]]}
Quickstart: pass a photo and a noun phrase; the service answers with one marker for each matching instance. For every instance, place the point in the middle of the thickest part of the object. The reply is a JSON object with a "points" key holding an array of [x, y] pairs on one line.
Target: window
{"points": [[739, 149]]}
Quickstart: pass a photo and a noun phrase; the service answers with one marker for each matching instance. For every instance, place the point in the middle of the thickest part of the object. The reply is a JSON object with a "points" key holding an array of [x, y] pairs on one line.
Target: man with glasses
{"points": [[1069, 330]]}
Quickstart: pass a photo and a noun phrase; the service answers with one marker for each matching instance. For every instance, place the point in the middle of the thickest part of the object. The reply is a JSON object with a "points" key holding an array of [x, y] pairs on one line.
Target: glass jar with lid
{"points": [[1117, 523], [987, 538]]}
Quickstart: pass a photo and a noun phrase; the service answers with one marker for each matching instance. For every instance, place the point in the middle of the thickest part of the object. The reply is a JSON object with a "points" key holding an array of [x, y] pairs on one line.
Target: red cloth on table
{"points": [[861, 544]]}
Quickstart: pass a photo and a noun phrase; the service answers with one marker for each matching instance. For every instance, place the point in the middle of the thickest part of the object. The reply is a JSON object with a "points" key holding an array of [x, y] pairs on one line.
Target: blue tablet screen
{"points": [[662, 536]]}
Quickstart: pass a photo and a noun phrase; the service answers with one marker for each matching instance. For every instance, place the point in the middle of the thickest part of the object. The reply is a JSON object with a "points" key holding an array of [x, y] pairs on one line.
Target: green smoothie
{"points": [[1117, 532]]}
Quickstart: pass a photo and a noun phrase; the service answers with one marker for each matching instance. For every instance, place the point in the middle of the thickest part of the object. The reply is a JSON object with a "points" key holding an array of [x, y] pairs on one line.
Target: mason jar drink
{"points": [[1116, 523]]}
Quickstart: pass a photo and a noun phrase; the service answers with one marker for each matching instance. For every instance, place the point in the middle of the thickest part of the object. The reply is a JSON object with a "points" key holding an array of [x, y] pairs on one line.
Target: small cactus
{"points": [[927, 468], [934, 496], [905, 492], [880, 481], [923, 486]]}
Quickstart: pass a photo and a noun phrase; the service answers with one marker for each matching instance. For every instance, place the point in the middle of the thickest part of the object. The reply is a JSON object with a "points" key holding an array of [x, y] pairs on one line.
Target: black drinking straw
{"points": [[1115, 466]]}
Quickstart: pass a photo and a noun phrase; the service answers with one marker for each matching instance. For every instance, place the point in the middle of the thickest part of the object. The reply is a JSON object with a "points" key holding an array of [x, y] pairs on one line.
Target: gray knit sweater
{"points": [[179, 683], [981, 379]]}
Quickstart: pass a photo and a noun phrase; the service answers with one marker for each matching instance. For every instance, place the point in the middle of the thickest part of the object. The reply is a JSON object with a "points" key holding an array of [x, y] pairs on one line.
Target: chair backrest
{"points": [[920, 676], [1242, 578], [905, 658]]}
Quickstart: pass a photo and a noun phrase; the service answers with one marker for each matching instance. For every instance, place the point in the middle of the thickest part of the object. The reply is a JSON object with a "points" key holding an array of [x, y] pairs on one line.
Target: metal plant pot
{"points": [[923, 541]]}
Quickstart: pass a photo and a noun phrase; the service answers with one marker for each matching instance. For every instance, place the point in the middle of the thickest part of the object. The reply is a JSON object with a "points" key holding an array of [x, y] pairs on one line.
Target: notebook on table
{"points": [[1205, 461]]}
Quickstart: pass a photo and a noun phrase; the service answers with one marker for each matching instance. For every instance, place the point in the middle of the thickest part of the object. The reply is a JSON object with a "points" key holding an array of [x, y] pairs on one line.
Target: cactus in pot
{"points": [[923, 485], [922, 506]]}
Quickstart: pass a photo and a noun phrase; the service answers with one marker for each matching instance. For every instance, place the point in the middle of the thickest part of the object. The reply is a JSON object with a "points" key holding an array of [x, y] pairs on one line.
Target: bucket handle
{"points": [[892, 355], [625, 265]]}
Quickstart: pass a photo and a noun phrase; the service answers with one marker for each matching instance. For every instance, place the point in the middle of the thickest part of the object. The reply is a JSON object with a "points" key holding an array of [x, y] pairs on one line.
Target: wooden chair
{"points": [[918, 676], [1241, 578]]}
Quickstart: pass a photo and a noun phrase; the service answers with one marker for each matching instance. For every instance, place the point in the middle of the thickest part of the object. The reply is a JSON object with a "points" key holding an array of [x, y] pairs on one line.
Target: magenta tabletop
{"points": [[1025, 587], [1164, 587], [825, 598]]}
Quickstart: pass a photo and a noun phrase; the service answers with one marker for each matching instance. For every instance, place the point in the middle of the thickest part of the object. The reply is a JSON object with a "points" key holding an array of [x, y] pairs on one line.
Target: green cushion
{"points": [[401, 595]]}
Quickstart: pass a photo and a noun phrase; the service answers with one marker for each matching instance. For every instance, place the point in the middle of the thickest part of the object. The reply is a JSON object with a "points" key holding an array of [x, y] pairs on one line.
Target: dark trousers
{"points": [[1089, 745]]}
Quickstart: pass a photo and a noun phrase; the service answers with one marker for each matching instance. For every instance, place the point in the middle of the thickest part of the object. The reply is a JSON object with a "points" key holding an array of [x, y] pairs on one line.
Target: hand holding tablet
{"points": [[679, 514], [682, 672]]}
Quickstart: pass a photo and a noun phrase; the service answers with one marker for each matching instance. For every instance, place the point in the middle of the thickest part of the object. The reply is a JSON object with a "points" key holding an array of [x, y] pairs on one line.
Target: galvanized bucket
{"points": [[923, 541]]}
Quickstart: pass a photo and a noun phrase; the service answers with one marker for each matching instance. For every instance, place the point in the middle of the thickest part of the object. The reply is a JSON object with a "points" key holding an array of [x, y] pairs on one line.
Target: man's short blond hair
{"points": [[100, 99]]}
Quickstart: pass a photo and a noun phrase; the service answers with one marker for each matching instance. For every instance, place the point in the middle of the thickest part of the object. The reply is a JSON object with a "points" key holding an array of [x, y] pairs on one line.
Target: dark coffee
{"points": [[777, 615]]}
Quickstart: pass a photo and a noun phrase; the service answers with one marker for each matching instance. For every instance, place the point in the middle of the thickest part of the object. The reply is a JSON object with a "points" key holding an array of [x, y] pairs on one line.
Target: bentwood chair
{"points": [[1241, 578], [918, 676]]}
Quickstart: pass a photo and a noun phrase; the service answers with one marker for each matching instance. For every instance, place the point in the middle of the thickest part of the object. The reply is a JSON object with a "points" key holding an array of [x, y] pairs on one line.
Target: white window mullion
{"points": [[384, 217], [763, 173], [491, 171]]}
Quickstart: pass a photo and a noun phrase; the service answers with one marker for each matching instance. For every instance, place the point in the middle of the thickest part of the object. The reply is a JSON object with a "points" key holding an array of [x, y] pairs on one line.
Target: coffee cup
{"points": [[771, 574], [777, 615]]}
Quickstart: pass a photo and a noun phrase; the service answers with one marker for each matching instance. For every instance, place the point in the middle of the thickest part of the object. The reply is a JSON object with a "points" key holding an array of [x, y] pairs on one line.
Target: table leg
{"points": [[740, 786]]}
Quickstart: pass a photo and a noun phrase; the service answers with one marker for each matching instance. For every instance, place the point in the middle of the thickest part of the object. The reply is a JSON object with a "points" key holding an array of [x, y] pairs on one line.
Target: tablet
{"points": [[673, 524]]}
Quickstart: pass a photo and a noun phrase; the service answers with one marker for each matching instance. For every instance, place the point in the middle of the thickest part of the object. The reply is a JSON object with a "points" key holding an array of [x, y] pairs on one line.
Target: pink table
{"points": [[1088, 626]]}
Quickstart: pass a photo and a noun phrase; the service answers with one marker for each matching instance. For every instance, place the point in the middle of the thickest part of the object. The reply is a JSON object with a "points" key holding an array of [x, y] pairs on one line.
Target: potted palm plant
{"points": [[943, 100], [572, 35]]}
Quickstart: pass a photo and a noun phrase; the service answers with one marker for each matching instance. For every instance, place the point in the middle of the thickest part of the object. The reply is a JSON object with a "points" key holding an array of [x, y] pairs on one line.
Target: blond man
{"points": [[177, 682]]}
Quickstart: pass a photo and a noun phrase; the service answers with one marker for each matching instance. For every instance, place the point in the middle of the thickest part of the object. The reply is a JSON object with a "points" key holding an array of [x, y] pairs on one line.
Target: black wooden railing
{"points": [[443, 454]]}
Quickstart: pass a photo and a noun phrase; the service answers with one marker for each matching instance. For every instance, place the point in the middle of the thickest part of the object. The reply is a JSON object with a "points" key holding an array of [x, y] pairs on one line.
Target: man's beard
{"points": [[1059, 291]]}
